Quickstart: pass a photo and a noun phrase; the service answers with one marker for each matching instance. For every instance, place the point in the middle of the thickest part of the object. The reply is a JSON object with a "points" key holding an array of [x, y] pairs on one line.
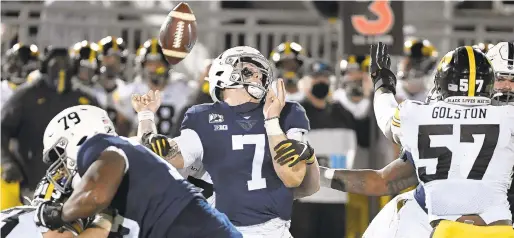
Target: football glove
{"points": [[291, 152], [159, 144], [380, 68], [48, 214]]}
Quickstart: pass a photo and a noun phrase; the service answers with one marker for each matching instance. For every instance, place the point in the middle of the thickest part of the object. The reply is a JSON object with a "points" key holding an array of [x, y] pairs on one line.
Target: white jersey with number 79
{"points": [[464, 156]]}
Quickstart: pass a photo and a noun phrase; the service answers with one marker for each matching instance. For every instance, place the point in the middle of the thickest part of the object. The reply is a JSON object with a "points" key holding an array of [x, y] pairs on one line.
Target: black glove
{"points": [[291, 152], [48, 214], [158, 143], [379, 69]]}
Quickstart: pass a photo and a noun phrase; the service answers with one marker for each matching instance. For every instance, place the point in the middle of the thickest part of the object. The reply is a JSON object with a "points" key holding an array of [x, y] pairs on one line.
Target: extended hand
{"points": [[150, 101], [379, 70], [274, 103]]}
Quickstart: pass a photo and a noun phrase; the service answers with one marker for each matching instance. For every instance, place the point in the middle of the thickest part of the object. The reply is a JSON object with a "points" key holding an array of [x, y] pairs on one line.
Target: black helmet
{"points": [[113, 46], [152, 51], [464, 71], [420, 59], [84, 55], [56, 67], [288, 50], [20, 60]]}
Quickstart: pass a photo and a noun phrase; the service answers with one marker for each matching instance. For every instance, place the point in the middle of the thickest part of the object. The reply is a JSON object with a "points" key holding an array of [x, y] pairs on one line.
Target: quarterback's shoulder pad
{"points": [[91, 149], [293, 116], [193, 112]]}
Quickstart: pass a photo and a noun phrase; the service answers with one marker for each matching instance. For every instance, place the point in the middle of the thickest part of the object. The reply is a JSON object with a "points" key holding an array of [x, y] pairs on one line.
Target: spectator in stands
{"points": [[332, 135], [289, 59], [415, 70], [26, 114], [354, 94]]}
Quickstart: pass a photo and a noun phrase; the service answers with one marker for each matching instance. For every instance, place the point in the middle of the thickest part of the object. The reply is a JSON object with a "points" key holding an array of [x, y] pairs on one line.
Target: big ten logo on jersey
{"points": [[164, 118], [217, 118]]}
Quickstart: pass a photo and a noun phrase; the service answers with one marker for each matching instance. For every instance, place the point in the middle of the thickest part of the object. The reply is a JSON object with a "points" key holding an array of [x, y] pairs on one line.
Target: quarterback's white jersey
{"points": [[18, 222], [174, 97], [463, 155]]}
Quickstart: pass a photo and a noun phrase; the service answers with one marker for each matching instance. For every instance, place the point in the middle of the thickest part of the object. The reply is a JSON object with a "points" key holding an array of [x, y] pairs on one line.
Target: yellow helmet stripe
{"points": [[472, 71], [114, 43], [92, 54], [153, 47], [62, 81], [287, 48]]}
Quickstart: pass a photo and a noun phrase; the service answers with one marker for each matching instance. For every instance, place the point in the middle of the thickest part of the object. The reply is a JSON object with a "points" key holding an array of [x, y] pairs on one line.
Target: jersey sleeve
{"points": [[189, 119], [91, 150], [189, 141], [293, 117]]}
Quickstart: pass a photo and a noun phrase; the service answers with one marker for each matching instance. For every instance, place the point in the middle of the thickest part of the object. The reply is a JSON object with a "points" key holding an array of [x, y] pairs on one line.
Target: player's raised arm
{"points": [[384, 81], [282, 149], [162, 145], [395, 177]]}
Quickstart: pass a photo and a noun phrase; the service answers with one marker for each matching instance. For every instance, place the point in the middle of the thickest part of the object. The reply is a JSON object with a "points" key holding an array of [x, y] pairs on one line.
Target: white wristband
{"points": [[145, 115], [273, 127]]}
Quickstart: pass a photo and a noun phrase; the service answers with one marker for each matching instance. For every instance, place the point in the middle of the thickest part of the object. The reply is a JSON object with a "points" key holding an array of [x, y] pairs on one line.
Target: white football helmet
{"points": [[502, 59], [63, 137], [234, 67]]}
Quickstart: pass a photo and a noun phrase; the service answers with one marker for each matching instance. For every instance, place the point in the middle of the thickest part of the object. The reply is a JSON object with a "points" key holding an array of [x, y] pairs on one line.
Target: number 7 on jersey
{"points": [[259, 140]]}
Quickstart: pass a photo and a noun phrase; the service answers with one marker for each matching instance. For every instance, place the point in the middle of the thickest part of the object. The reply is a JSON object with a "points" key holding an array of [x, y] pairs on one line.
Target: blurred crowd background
{"points": [[55, 54]]}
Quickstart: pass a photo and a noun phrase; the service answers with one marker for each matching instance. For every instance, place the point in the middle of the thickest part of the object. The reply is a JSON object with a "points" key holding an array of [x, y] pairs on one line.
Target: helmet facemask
{"points": [[252, 72], [155, 69], [504, 88], [62, 168]]}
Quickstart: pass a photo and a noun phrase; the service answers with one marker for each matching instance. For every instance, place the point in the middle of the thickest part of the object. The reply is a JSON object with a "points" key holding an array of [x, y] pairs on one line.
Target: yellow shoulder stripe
{"points": [[396, 118]]}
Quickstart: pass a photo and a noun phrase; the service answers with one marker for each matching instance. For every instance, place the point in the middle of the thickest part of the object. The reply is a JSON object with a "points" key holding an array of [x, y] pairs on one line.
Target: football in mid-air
{"points": [[178, 33]]}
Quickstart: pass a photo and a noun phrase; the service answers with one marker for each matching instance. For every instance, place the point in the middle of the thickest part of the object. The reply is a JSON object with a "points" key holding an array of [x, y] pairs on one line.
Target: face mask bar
{"points": [[241, 74], [58, 173]]}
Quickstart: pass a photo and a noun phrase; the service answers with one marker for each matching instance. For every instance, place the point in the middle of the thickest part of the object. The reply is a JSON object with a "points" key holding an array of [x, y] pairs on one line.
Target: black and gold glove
{"points": [[291, 152], [380, 68], [158, 143]]}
